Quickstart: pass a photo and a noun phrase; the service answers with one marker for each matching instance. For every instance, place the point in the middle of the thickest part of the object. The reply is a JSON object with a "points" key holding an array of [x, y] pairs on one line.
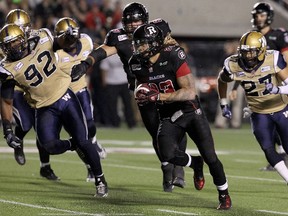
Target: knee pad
{"points": [[55, 147]]}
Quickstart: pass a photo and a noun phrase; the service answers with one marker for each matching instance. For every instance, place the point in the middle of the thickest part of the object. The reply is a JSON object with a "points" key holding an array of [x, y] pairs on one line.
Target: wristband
{"points": [[223, 101], [7, 127]]}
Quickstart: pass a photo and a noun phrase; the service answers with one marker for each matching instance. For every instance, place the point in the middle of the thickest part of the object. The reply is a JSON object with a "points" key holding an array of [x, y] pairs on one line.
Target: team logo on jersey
{"points": [[181, 54], [272, 38], [122, 37], [85, 53], [266, 68], [240, 74], [161, 76], [18, 66], [163, 63], [136, 67], [65, 59], [44, 40]]}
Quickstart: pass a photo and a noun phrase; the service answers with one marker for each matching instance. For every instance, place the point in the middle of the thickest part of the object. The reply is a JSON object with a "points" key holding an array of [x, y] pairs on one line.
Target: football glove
{"points": [[226, 112], [79, 70], [272, 89], [12, 140], [145, 93], [247, 112]]}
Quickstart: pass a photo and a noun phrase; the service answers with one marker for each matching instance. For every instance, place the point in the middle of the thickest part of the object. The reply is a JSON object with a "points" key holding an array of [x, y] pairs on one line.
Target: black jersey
{"points": [[277, 39], [163, 73], [123, 43]]}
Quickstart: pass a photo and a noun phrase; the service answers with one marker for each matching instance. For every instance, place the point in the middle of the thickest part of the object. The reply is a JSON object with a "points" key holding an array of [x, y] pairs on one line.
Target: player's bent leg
{"points": [[93, 159], [45, 168]]}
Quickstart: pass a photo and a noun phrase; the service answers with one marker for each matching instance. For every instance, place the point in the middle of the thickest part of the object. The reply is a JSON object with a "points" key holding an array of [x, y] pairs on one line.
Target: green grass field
{"points": [[135, 180]]}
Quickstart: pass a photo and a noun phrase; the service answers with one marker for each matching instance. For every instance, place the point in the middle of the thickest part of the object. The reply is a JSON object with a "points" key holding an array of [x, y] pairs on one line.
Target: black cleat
{"points": [[267, 168], [178, 176], [225, 202], [19, 155], [168, 187], [101, 187], [179, 182], [48, 173], [199, 180]]}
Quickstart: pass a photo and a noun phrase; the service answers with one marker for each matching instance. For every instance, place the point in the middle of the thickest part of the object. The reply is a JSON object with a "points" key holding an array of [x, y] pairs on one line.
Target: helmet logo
{"points": [[151, 30]]}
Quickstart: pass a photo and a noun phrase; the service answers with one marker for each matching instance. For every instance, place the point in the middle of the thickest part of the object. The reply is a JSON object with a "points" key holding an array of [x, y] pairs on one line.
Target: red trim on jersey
{"points": [[183, 70], [284, 49]]}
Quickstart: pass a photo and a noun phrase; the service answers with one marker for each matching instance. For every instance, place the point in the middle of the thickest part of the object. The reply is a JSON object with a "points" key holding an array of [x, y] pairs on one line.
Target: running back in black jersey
{"points": [[164, 73]]}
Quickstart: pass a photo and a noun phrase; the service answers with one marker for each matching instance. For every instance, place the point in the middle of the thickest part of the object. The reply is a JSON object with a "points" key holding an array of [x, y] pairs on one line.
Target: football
{"points": [[143, 88]]}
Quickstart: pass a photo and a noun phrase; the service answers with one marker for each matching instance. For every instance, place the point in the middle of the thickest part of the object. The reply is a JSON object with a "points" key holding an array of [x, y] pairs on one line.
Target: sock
{"points": [[282, 170]]}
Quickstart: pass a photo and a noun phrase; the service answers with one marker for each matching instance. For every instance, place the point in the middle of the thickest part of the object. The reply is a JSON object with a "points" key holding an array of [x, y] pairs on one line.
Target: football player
{"points": [[22, 112], [255, 67], [119, 41], [277, 39], [72, 47], [171, 87], [32, 64]]}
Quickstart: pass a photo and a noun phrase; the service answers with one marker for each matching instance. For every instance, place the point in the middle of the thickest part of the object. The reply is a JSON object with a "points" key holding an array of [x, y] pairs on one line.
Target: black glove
{"points": [[79, 70], [12, 140]]}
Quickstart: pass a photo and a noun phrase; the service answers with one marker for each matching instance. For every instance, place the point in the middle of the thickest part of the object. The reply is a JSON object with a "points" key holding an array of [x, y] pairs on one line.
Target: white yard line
{"points": [[273, 212], [176, 212], [48, 208]]}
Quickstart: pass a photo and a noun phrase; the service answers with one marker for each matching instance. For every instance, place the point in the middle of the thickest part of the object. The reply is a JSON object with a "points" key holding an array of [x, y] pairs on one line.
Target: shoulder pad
{"points": [[115, 31], [281, 29], [158, 20], [34, 33]]}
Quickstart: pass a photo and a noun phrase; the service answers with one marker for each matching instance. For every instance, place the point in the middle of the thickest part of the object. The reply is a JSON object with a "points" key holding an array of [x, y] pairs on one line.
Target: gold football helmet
{"points": [[20, 18], [13, 41], [67, 33], [252, 49]]}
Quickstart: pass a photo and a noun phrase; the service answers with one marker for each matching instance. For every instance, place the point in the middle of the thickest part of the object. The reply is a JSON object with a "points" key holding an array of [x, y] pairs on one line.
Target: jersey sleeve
{"points": [[178, 59], [282, 40], [279, 62], [111, 38]]}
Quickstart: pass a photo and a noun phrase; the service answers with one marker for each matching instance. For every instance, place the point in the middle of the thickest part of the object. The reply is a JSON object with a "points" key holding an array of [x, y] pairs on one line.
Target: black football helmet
{"points": [[67, 33], [13, 42], [134, 12], [262, 7], [251, 50], [147, 41]]}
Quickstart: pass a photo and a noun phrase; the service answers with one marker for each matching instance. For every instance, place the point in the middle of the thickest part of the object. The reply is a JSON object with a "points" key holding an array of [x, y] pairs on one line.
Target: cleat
{"points": [[167, 177], [90, 176], [179, 182], [199, 180], [48, 173], [178, 176], [168, 187], [101, 151], [225, 202], [267, 168], [19, 155], [101, 187]]}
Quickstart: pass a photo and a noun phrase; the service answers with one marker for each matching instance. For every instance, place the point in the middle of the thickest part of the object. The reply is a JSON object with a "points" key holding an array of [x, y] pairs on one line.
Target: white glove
{"points": [[247, 112]]}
